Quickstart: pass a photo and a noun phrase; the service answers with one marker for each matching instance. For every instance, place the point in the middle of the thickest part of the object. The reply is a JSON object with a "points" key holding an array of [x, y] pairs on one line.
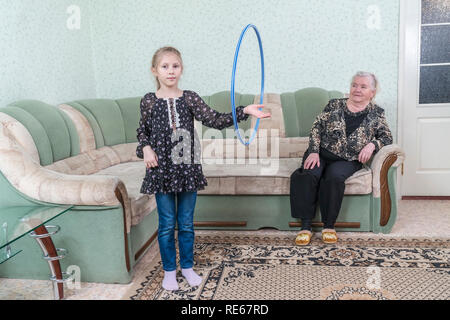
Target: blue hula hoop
{"points": [[233, 77]]}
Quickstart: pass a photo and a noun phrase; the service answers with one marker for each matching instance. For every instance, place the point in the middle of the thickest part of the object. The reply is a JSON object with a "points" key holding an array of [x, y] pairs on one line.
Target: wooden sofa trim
{"points": [[425, 198], [127, 256], [145, 246], [220, 224], [355, 225], [386, 206]]}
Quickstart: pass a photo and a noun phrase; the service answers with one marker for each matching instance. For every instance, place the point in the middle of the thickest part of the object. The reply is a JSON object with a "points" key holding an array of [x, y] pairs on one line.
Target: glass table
{"points": [[17, 222]]}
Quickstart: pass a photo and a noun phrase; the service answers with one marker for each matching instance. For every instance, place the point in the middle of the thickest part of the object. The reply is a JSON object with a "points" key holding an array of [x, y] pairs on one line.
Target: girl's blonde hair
{"points": [[157, 57]]}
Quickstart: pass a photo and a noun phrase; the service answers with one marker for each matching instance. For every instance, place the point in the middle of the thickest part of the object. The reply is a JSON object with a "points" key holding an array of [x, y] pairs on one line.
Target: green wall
{"points": [[40, 57], [306, 43]]}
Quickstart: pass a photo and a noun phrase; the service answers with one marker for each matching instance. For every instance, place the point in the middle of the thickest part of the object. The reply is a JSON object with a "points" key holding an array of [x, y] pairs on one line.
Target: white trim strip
{"points": [[435, 64], [434, 105], [436, 24], [177, 118]]}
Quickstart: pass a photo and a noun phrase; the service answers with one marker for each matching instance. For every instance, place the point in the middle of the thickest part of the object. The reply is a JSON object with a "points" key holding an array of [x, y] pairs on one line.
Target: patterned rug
{"points": [[273, 268]]}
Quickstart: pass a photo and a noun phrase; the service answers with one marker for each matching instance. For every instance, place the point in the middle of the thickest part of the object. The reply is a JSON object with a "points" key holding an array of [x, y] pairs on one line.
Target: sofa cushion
{"points": [[275, 124], [21, 135], [301, 107], [132, 174], [53, 132], [112, 121], [268, 147], [94, 160], [268, 176], [257, 177], [84, 129], [221, 101]]}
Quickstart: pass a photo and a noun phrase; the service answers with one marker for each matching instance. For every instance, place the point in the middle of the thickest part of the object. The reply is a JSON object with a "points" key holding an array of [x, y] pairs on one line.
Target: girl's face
{"points": [[361, 90], [169, 70]]}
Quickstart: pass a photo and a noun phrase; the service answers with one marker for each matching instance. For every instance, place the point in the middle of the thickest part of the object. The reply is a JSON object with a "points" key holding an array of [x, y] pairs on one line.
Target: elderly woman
{"points": [[343, 137]]}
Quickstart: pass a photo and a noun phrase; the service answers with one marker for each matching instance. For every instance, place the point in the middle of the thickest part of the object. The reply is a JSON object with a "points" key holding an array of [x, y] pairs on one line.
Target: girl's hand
{"points": [[253, 110], [311, 161], [366, 153], [150, 157]]}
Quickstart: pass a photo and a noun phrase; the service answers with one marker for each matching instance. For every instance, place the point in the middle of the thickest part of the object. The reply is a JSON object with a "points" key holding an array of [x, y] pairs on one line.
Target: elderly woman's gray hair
{"points": [[373, 80]]}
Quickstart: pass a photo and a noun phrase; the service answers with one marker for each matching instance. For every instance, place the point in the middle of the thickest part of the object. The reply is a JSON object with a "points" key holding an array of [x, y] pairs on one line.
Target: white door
{"points": [[424, 93]]}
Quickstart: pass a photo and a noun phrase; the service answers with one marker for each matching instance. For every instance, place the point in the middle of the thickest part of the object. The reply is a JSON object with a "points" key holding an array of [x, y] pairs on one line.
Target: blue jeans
{"points": [[170, 213]]}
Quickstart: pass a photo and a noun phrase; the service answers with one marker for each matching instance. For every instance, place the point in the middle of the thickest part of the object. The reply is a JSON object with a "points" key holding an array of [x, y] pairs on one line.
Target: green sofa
{"points": [[53, 155], [83, 153], [252, 195]]}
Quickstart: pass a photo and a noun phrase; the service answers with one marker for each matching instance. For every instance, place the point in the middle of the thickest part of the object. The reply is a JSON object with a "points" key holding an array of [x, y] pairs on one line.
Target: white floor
{"points": [[416, 219]]}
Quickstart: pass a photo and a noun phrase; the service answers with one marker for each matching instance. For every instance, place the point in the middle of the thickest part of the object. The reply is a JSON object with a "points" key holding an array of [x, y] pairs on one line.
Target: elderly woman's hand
{"points": [[366, 153], [311, 161]]}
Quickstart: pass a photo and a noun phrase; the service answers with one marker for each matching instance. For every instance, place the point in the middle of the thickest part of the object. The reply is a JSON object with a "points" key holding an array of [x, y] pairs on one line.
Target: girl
{"points": [[165, 113]]}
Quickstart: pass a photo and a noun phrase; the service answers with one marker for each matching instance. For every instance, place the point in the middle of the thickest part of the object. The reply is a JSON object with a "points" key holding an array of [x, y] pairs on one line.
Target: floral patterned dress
{"points": [[167, 126]]}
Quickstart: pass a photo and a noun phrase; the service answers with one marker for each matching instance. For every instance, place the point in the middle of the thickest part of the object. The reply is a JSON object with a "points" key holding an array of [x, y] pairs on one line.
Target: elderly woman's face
{"points": [[361, 90]]}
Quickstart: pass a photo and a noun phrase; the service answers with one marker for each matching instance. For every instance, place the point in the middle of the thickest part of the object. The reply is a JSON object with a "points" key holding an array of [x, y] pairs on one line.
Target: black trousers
{"points": [[325, 184]]}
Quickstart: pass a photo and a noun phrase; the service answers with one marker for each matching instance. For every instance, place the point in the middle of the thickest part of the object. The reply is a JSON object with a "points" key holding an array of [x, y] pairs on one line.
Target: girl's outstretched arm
{"points": [[214, 119], [253, 110]]}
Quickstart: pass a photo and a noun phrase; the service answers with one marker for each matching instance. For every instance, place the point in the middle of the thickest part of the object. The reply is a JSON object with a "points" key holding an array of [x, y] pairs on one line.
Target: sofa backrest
{"points": [[115, 121], [112, 121], [81, 126], [221, 101], [301, 107], [298, 109], [52, 131]]}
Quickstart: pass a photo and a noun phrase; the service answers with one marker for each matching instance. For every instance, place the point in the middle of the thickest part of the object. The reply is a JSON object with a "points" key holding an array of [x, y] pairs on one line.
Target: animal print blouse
{"points": [[328, 130]]}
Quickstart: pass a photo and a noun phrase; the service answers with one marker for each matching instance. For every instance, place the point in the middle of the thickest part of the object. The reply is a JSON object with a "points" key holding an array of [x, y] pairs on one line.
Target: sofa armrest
{"points": [[387, 157], [53, 187], [390, 156], [41, 184]]}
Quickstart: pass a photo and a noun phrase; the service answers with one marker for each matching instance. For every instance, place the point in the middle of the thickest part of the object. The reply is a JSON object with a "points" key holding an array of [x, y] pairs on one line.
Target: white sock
{"points": [[192, 278], [170, 280]]}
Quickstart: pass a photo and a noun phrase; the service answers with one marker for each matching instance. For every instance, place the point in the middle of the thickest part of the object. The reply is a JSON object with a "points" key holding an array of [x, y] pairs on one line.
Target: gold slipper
{"points": [[303, 238], [329, 236]]}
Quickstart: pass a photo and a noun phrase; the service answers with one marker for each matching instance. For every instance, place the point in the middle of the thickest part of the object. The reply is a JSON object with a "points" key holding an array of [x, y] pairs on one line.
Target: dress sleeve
{"points": [[383, 135], [318, 128], [144, 129], [210, 117]]}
